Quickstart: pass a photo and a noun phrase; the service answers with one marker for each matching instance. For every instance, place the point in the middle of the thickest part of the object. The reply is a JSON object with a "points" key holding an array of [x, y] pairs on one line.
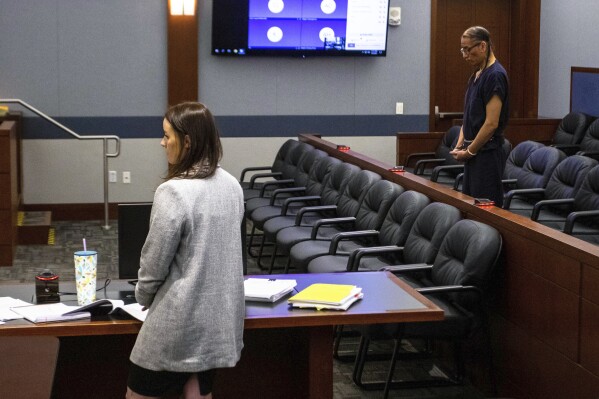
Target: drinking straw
{"points": [[84, 246]]}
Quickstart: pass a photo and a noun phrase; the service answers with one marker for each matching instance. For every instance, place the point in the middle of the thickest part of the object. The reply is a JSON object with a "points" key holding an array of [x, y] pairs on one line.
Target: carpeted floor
{"points": [[33, 259]]}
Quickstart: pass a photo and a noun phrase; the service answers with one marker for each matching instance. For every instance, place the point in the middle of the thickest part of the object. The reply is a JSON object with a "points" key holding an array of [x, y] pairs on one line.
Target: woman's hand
{"points": [[460, 155]]}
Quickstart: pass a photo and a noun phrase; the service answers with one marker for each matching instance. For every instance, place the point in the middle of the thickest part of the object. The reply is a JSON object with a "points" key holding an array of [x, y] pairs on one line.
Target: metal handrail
{"points": [[104, 138]]}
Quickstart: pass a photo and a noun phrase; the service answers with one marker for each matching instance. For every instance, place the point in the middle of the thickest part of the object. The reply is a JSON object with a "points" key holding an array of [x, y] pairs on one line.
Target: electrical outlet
{"points": [[112, 176], [127, 177], [398, 108]]}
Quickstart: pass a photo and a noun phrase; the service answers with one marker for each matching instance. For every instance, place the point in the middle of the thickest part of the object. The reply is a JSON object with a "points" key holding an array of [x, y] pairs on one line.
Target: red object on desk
{"points": [[343, 148], [397, 169]]}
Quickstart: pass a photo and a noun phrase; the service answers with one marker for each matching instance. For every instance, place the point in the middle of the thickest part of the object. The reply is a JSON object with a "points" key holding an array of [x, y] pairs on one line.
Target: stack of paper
{"points": [[267, 290], [327, 296], [6, 303]]}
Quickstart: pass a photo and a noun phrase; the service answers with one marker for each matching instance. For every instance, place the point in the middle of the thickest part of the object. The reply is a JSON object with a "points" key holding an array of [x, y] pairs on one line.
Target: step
{"points": [[34, 228]]}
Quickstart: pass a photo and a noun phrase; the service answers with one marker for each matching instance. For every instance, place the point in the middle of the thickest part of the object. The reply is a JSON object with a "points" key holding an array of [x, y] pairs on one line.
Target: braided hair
{"points": [[482, 35]]}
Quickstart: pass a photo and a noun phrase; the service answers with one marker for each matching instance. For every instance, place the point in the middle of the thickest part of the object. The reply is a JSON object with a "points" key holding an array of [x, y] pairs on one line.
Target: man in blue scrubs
{"points": [[480, 142]]}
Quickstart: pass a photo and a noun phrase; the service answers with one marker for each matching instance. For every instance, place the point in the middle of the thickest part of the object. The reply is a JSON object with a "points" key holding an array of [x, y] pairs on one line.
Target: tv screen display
{"points": [[300, 27]]}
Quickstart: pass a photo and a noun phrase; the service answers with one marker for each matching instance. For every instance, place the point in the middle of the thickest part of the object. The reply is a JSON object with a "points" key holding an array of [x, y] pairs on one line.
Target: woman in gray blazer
{"points": [[191, 273]]}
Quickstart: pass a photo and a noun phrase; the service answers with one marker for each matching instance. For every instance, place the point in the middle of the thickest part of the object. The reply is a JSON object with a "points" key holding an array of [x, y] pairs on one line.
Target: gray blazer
{"points": [[191, 277]]}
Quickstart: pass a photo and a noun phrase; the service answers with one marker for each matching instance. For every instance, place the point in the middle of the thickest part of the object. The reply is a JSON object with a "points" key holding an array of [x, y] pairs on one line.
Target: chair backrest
{"points": [[566, 179], [355, 191], [401, 216], [590, 140], [282, 154], [292, 161], [336, 182], [468, 255], [587, 197], [572, 128], [427, 232], [376, 204], [517, 158], [319, 174], [307, 162], [448, 142], [539, 166]]}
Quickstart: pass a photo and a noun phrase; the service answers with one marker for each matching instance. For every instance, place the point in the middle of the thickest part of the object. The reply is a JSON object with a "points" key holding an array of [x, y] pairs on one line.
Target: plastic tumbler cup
{"points": [[85, 276]]}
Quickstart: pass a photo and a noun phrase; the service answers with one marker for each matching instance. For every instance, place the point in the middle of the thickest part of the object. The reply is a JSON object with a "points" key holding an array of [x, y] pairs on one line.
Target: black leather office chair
{"points": [[570, 132], [583, 217], [287, 169], [394, 232], [456, 282], [273, 171], [347, 207], [536, 172], [370, 217], [565, 181], [310, 194], [589, 145]]}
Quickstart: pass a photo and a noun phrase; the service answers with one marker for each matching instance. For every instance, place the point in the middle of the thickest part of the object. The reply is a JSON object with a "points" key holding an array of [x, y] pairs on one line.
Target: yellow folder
{"points": [[331, 294]]}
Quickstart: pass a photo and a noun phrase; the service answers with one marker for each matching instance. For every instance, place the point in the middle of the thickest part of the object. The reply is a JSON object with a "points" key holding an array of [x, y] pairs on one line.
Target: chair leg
{"points": [[392, 367], [260, 251], [287, 265], [360, 360], [251, 241]]}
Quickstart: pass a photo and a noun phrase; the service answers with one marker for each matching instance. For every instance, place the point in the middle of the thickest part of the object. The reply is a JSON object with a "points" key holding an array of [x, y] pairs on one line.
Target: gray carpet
{"points": [[33, 259]]}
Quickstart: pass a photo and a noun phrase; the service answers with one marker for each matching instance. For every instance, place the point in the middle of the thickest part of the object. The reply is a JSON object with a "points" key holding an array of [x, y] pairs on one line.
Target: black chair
{"points": [[287, 169], [346, 208], [583, 217], [536, 171], [570, 132], [285, 188], [565, 181], [589, 145], [310, 194], [370, 217], [273, 171], [457, 282], [333, 189], [517, 159], [394, 232], [426, 161]]}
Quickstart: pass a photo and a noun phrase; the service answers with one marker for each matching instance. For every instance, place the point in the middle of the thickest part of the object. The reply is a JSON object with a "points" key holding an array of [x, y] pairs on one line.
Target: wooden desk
{"points": [[287, 353]]}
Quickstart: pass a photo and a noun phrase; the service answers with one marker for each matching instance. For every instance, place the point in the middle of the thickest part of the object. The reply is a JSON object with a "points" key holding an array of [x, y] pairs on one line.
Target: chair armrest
{"points": [[275, 183], [439, 169], [347, 235], [329, 222], [287, 190], [263, 175], [289, 201], [253, 169], [399, 269], [525, 192], [418, 155], [590, 154], [544, 203], [442, 289], [573, 216], [458, 180], [356, 256], [420, 165], [316, 209]]}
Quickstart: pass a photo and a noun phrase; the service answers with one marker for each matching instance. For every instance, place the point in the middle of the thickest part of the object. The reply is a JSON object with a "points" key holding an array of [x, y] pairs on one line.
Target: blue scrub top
{"points": [[492, 81]]}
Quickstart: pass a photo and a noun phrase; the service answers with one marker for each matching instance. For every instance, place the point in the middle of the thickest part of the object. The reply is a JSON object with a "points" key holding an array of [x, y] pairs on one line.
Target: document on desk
{"points": [[61, 312], [327, 296], [267, 290], [6, 313]]}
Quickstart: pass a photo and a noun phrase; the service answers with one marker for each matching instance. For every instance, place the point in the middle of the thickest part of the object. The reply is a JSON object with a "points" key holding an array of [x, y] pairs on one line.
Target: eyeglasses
{"points": [[466, 50]]}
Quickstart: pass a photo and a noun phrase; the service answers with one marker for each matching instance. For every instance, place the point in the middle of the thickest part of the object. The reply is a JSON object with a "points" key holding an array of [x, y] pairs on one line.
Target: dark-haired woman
{"points": [[485, 118], [191, 271]]}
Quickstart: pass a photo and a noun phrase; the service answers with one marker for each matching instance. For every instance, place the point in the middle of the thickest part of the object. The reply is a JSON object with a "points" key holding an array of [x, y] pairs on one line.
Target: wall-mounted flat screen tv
{"points": [[300, 27]]}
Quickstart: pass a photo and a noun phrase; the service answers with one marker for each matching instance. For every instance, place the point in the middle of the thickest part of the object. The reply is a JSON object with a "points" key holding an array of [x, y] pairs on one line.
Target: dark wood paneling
{"points": [[182, 58], [590, 284], [410, 143], [536, 370], [589, 337]]}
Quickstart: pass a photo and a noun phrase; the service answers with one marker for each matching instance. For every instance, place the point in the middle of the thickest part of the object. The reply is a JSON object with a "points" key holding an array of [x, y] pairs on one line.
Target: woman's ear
{"points": [[187, 142]]}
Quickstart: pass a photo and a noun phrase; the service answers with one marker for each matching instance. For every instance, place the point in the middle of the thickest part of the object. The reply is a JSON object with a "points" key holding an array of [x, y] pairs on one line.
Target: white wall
{"points": [[568, 38]]}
